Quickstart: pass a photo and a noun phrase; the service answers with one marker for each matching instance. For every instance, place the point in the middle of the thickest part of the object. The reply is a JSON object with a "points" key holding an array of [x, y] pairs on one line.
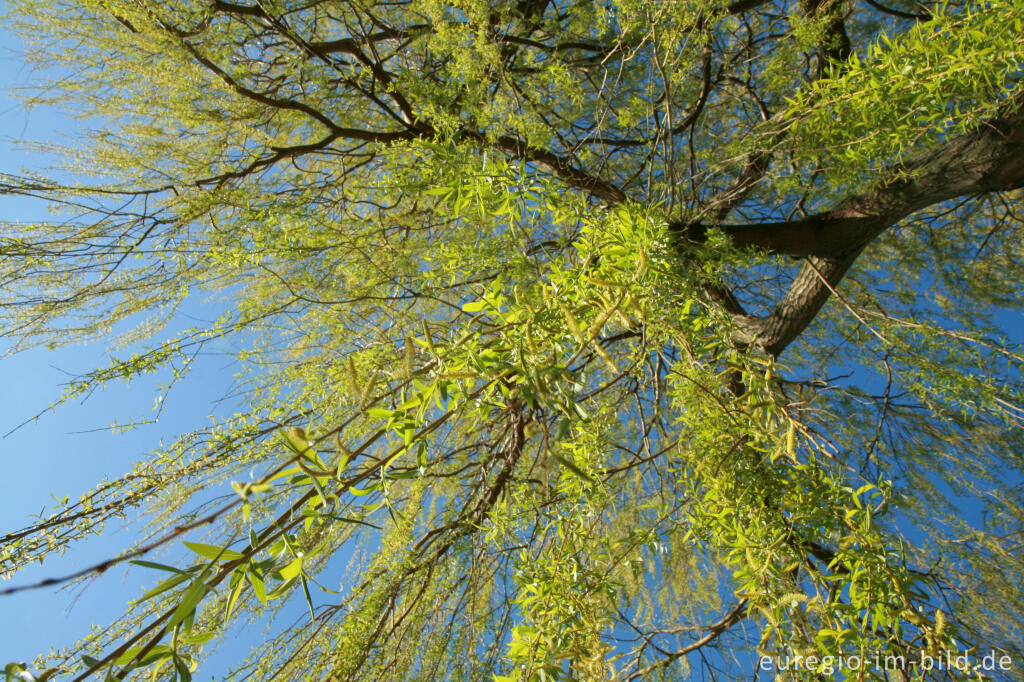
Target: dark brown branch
{"points": [[916, 16], [834, 46], [713, 631], [559, 166], [990, 159], [742, 6]]}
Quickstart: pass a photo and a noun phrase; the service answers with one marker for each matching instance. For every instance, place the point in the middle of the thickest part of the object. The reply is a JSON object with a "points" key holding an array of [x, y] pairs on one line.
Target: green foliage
{"points": [[496, 420], [943, 76]]}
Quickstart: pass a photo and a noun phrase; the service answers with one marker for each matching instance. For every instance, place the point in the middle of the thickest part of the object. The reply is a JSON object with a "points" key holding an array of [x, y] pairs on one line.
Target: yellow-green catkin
{"points": [[607, 358], [641, 265], [607, 283], [353, 380], [428, 337], [367, 391], [602, 319], [570, 320], [529, 338], [410, 354]]}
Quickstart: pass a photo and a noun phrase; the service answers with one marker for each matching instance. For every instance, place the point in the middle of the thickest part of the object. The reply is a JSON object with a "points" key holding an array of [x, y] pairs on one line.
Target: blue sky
{"points": [[70, 450]]}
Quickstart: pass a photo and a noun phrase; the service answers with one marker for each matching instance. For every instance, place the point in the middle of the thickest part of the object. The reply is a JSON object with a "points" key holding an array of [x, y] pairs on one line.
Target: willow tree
{"points": [[593, 340]]}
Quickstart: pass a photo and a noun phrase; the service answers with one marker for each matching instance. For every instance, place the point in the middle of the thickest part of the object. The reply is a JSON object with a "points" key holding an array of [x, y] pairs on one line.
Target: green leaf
{"points": [[258, 586], [16, 671], [293, 569], [182, 670], [571, 466], [153, 654], [309, 598], [189, 600], [237, 584], [168, 584], [197, 638], [281, 590], [213, 552], [340, 468], [159, 567]]}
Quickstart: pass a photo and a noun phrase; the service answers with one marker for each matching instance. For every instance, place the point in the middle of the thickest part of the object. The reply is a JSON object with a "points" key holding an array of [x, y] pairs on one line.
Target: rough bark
{"points": [[990, 159]]}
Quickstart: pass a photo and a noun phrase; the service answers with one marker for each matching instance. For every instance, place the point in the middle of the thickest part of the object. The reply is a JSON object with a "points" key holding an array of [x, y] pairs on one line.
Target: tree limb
{"points": [[990, 159]]}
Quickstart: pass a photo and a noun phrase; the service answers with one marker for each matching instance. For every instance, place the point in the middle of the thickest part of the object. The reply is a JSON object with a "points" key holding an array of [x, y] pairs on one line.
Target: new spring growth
{"points": [[361, 392], [615, 305], [529, 338], [344, 456], [299, 434], [298, 440], [603, 317], [604, 355], [410, 354], [364, 397], [606, 283], [641, 265], [428, 338], [570, 320], [353, 379]]}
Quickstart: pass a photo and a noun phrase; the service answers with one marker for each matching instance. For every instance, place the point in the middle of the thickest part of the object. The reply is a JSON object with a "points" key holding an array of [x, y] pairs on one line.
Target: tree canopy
{"points": [[576, 340]]}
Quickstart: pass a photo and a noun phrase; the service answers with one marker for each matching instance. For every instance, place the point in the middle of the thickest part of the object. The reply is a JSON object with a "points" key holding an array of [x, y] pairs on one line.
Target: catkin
{"points": [[607, 283], [410, 353], [634, 306], [364, 396], [607, 358], [529, 338], [641, 264], [570, 320], [428, 338], [454, 376], [601, 319], [353, 380]]}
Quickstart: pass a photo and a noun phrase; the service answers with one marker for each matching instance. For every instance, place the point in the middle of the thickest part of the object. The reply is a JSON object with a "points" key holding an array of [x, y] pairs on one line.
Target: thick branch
{"points": [[560, 166], [991, 159], [807, 294]]}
